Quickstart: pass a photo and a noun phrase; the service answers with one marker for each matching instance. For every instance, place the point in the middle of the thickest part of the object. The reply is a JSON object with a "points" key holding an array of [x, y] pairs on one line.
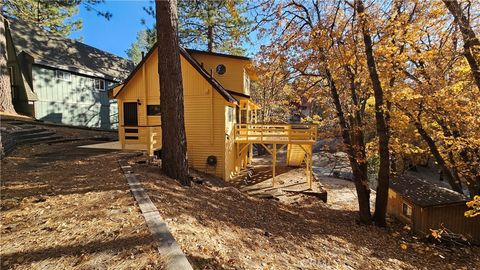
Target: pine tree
{"points": [[214, 25], [6, 104], [55, 16], [145, 40], [174, 142]]}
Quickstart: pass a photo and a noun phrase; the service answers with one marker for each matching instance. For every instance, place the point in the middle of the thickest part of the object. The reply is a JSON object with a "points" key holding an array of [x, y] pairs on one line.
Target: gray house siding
{"points": [[72, 102]]}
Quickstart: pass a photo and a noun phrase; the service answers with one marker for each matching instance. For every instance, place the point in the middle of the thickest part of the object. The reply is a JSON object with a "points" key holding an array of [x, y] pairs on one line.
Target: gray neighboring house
{"points": [[60, 80]]}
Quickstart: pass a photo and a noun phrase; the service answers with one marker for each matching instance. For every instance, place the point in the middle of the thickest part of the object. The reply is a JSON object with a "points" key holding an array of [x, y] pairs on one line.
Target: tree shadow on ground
{"points": [[73, 208], [296, 224], [59, 169], [205, 263], [75, 250]]}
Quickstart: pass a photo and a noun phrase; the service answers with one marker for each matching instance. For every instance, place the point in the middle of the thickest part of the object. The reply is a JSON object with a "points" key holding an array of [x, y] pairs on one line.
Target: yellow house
{"points": [[220, 117]]}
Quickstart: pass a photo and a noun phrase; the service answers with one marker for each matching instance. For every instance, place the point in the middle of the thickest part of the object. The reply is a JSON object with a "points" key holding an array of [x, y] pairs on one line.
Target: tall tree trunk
{"points": [[174, 143], [6, 104], [210, 26], [210, 38], [438, 157], [381, 199], [359, 166], [471, 43]]}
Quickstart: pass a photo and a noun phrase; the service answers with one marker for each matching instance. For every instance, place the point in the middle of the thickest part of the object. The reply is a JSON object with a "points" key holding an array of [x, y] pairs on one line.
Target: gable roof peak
{"points": [[214, 83]]}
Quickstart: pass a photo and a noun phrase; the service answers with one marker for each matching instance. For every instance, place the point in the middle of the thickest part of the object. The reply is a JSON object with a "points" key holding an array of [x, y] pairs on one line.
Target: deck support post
{"points": [[308, 171], [309, 166], [250, 153], [245, 158], [122, 138], [274, 154], [150, 142]]}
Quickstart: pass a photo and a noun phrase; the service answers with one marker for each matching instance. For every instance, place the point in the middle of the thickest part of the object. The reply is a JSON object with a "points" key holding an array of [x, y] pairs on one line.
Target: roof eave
{"points": [[244, 58], [77, 70]]}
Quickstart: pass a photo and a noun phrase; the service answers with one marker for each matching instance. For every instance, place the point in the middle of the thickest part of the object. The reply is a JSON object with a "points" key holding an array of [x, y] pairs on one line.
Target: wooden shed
{"points": [[425, 206], [220, 117]]}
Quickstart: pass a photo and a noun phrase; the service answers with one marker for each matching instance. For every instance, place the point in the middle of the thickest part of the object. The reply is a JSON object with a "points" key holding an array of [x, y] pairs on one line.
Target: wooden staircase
{"points": [[24, 133], [296, 154]]}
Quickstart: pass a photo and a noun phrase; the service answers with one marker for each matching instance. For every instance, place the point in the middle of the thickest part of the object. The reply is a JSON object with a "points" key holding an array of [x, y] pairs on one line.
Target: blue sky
{"points": [[114, 35], [117, 34]]}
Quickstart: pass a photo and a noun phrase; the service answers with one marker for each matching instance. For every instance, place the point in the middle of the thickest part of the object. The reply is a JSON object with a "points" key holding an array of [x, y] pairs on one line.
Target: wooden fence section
{"points": [[276, 133]]}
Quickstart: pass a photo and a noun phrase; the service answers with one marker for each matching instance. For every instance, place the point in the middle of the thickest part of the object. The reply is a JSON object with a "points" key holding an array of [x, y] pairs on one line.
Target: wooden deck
{"points": [[298, 137], [276, 133]]}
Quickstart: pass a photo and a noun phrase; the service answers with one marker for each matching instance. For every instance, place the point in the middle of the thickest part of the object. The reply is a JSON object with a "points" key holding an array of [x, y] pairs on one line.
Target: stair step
{"points": [[28, 131], [41, 139], [44, 133], [17, 123], [8, 143]]}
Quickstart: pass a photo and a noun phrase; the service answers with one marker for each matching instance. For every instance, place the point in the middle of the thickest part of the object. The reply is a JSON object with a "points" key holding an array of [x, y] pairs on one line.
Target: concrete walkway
{"points": [[107, 145]]}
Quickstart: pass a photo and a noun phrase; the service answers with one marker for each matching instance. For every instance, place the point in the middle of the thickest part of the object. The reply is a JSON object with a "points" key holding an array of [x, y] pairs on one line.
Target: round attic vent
{"points": [[221, 69]]}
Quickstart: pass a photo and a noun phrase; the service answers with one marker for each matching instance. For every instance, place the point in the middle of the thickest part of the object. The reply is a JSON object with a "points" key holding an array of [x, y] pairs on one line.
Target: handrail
{"points": [[264, 133]]}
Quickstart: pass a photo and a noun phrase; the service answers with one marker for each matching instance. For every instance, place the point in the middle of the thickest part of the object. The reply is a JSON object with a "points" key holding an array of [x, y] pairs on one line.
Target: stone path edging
{"points": [[168, 248]]}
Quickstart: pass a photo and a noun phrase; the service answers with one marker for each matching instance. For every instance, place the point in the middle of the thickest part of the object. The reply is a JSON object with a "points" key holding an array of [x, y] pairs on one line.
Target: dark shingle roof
{"points": [[423, 193], [192, 51], [63, 53]]}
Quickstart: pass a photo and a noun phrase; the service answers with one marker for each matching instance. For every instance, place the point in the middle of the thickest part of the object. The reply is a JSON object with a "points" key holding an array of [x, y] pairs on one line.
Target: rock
{"points": [[39, 199]]}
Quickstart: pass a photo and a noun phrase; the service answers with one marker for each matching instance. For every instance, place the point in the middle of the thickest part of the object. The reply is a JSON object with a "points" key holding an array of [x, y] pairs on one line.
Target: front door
{"points": [[130, 117]]}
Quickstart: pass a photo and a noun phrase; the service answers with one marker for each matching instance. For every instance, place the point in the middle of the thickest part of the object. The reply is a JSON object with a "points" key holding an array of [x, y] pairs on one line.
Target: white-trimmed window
{"points": [[407, 210], [99, 84], [11, 73], [246, 82], [230, 112], [229, 118], [63, 75], [153, 110]]}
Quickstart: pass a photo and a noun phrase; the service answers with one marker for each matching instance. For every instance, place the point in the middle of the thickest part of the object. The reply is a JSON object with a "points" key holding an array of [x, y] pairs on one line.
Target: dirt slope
{"points": [[222, 228], [68, 208]]}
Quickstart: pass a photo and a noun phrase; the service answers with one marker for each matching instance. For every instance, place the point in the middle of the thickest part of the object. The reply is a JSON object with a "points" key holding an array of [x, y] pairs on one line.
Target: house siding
{"points": [[451, 217], [234, 77], [204, 114], [73, 102]]}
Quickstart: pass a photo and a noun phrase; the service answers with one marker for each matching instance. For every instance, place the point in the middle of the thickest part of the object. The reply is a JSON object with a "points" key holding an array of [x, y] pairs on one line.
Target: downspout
{"points": [[144, 86], [212, 103]]}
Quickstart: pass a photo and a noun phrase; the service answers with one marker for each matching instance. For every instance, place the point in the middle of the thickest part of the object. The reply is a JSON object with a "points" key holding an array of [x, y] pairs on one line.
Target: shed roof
{"points": [[214, 83], [423, 193], [59, 52]]}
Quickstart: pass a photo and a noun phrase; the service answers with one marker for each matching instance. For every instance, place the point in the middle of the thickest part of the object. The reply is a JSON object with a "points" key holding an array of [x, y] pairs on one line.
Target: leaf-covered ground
{"points": [[64, 207], [222, 228]]}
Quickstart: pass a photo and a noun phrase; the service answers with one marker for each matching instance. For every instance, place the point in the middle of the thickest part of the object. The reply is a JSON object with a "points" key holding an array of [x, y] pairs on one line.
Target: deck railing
{"points": [[275, 133], [154, 140], [148, 137]]}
